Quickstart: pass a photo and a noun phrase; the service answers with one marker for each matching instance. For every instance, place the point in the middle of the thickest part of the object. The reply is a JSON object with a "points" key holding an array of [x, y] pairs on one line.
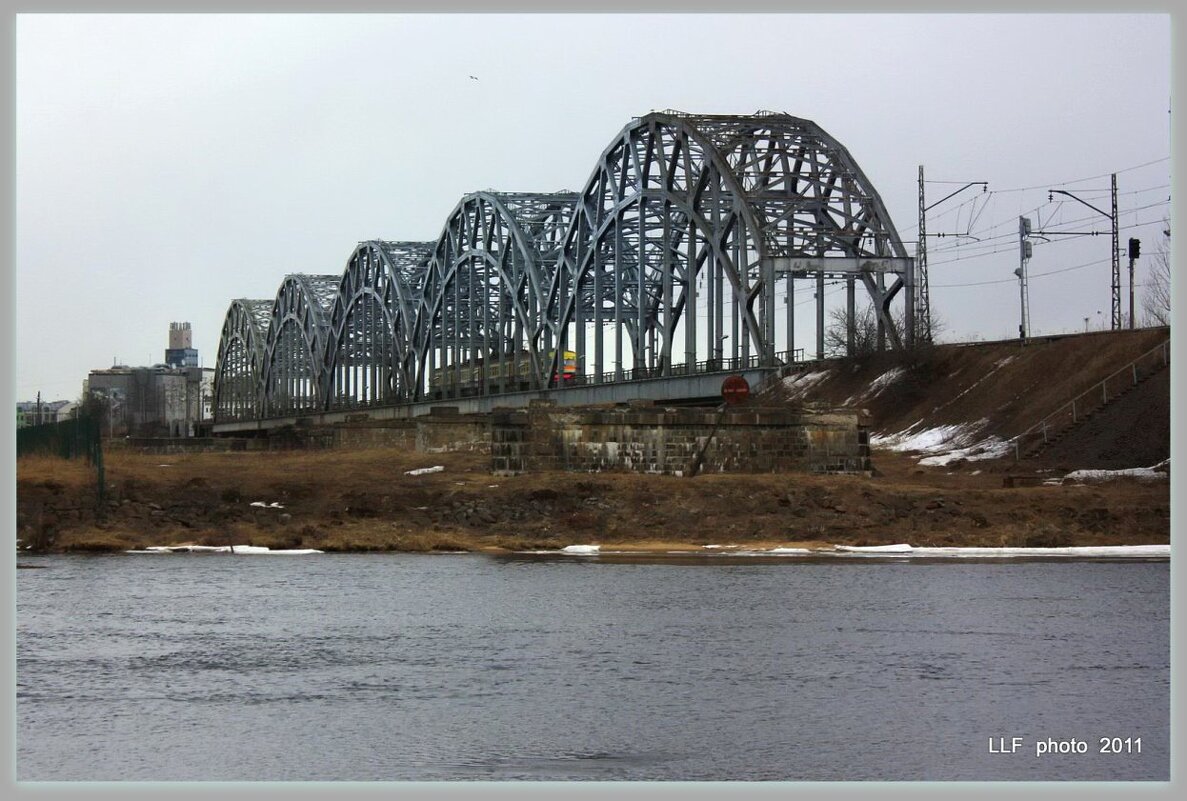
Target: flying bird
{"points": [[473, 78]]}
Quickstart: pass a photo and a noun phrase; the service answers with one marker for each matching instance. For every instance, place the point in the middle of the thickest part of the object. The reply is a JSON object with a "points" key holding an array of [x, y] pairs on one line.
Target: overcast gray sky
{"points": [[167, 164]]}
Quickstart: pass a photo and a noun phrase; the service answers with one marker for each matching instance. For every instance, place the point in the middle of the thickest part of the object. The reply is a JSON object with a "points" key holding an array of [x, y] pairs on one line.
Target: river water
{"points": [[466, 667]]}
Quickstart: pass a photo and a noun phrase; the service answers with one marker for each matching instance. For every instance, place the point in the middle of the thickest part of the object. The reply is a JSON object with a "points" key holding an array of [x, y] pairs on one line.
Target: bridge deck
{"points": [[700, 387]]}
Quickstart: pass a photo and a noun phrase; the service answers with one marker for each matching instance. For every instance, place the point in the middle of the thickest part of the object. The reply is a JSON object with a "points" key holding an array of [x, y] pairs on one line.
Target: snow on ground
{"points": [[883, 381], [1154, 473], [799, 383], [424, 470], [235, 549], [929, 440], [999, 364], [989, 448], [942, 445]]}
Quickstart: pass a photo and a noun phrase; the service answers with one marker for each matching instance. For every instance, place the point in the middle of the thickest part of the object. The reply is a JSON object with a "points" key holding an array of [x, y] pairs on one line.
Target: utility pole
{"points": [[1116, 260], [1115, 285], [922, 297], [1135, 250], [1024, 254]]}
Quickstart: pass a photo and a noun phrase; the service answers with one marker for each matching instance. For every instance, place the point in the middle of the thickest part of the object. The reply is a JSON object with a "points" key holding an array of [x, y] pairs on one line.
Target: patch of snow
{"points": [[799, 383], [999, 364], [883, 381], [988, 448], [1140, 473], [889, 440], [1157, 551], [1147, 551], [789, 550], [235, 549], [273, 505], [942, 445], [899, 548], [581, 549], [420, 471], [930, 440]]}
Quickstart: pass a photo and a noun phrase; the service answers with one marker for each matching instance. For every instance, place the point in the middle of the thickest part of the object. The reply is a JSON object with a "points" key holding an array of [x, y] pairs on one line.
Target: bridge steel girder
{"points": [[369, 359], [687, 235], [240, 364], [294, 378], [486, 285], [678, 200]]}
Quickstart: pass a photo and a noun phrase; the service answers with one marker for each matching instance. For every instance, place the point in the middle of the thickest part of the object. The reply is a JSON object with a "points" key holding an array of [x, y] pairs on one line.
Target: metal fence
{"points": [[69, 439], [1086, 403]]}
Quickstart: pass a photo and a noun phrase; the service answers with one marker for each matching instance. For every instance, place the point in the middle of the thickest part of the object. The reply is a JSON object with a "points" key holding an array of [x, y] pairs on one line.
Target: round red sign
{"points": [[735, 389]]}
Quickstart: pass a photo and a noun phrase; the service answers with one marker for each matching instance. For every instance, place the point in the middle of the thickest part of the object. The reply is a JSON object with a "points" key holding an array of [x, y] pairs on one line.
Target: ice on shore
{"points": [[262, 505], [420, 471], [581, 549], [898, 548], [903, 550], [1074, 550], [229, 549]]}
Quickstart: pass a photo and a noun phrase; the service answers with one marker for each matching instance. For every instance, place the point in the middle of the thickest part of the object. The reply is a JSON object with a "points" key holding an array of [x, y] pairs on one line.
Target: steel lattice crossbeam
{"points": [[689, 234]]}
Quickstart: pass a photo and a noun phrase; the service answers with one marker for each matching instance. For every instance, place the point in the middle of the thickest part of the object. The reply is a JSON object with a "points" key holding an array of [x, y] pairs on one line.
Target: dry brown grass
{"points": [[363, 501], [52, 472]]}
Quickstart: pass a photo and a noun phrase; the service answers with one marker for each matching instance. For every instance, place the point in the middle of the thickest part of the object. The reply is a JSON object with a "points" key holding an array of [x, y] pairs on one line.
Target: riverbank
{"points": [[386, 500]]}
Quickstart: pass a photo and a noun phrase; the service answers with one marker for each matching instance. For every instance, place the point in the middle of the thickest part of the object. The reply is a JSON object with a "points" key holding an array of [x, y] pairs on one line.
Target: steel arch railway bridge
{"points": [[674, 260]]}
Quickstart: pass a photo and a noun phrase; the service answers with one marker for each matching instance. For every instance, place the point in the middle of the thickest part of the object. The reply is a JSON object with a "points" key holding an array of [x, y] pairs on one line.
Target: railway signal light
{"points": [[1135, 248]]}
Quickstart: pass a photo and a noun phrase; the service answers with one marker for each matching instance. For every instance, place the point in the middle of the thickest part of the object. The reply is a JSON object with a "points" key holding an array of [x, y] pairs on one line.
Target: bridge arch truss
{"points": [[369, 355], [692, 228], [484, 324], [681, 253], [237, 384], [294, 356]]}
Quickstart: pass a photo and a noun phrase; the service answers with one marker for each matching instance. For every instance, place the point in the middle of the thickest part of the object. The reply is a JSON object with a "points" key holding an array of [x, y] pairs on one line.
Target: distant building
{"points": [[181, 352], [164, 400], [30, 413]]}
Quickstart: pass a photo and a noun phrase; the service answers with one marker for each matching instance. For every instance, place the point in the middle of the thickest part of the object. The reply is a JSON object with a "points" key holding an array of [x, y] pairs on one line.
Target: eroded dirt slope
{"points": [[1009, 387]]}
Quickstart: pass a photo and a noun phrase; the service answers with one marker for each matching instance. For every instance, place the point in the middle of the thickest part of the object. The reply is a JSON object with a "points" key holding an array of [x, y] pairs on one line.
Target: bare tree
{"points": [[865, 330], [1156, 299]]}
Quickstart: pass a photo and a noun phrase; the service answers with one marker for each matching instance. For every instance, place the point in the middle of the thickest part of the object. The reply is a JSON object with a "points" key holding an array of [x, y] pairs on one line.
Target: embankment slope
{"points": [[365, 500]]}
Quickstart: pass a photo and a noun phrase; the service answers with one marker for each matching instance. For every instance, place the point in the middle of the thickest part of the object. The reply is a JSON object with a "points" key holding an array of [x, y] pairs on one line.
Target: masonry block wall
{"points": [[659, 440], [444, 430]]}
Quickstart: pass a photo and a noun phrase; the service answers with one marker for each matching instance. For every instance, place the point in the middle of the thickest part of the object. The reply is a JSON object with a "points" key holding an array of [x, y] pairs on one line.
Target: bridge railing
{"points": [[1092, 399], [782, 358], [684, 368]]}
